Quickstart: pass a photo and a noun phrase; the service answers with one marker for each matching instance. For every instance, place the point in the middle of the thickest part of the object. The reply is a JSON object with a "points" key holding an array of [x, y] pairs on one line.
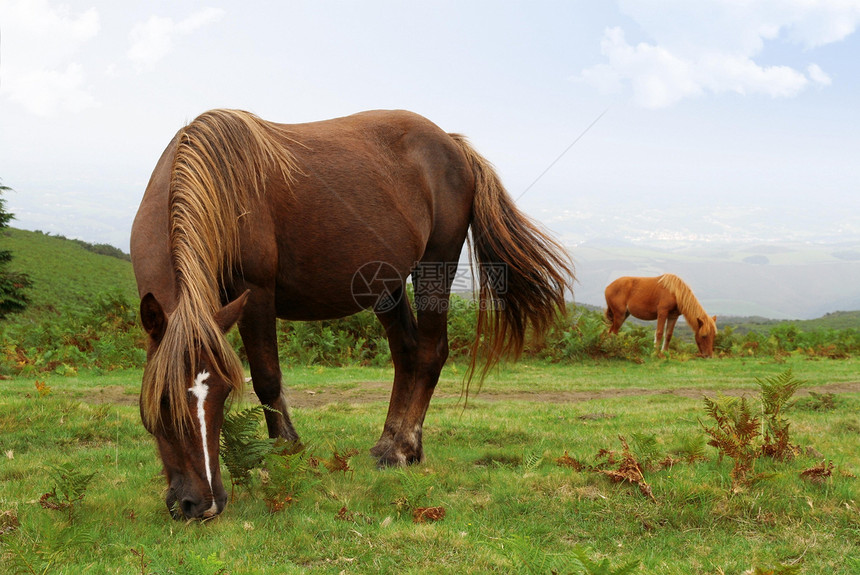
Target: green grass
{"points": [[490, 464]]}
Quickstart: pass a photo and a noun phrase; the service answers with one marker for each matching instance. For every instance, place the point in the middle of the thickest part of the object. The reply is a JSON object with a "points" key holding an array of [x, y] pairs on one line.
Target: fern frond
{"points": [[242, 450], [532, 459], [528, 556], [777, 390]]}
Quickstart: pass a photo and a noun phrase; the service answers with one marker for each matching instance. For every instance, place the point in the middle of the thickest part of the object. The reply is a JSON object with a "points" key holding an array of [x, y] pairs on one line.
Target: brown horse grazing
{"points": [[247, 221], [663, 298]]}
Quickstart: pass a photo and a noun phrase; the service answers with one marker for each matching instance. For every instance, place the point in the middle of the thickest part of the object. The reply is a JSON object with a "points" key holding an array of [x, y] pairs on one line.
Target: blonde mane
{"points": [[688, 304], [219, 175]]}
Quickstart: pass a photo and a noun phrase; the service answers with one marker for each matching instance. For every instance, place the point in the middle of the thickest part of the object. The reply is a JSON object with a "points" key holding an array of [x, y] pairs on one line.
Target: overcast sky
{"points": [[688, 109]]}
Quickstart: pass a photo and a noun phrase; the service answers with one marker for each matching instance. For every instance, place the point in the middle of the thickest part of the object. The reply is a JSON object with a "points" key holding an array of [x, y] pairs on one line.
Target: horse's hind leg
{"points": [[426, 349], [430, 356], [615, 318], [259, 335], [401, 331], [658, 335]]}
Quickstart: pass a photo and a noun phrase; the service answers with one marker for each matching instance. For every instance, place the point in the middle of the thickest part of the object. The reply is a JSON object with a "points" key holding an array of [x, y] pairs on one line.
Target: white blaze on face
{"points": [[200, 390]]}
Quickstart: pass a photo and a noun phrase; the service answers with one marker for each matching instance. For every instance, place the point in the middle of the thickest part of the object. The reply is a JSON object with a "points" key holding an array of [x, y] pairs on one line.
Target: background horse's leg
{"points": [[658, 335], [618, 317], [259, 335], [402, 333], [670, 327]]}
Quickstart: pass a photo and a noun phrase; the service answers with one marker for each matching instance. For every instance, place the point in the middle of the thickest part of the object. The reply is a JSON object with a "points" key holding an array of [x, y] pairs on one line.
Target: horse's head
{"points": [[706, 333], [182, 406]]}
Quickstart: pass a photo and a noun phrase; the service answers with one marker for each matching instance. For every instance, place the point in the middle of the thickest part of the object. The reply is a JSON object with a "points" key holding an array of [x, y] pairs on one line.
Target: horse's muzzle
{"points": [[189, 507]]}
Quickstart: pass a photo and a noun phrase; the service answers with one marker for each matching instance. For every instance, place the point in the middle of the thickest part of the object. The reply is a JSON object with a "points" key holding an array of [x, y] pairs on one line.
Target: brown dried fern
{"points": [[734, 435], [818, 474], [630, 471]]}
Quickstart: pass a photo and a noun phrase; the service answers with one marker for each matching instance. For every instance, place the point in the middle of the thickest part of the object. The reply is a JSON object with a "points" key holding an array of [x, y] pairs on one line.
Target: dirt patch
{"points": [[114, 394], [378, 391], [686, 392]]}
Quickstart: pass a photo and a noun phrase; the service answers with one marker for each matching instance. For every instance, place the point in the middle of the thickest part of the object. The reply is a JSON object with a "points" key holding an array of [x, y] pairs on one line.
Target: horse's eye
{"points": [[165, 402]]}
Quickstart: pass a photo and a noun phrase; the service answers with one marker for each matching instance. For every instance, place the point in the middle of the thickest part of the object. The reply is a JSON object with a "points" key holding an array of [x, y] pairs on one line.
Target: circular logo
{"points": [[378, 286]]}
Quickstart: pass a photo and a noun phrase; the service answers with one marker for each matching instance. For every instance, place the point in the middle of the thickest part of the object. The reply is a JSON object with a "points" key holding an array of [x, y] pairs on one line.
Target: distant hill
{"points": [[831, 321], [67, 274]]}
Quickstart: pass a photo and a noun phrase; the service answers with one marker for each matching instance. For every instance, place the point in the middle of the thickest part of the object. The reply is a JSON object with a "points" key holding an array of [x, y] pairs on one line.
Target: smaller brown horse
{"points": [[663, 298]]}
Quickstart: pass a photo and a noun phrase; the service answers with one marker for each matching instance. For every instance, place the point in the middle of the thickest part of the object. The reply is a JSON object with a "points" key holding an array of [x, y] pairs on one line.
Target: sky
{"points": [[692, 121]]}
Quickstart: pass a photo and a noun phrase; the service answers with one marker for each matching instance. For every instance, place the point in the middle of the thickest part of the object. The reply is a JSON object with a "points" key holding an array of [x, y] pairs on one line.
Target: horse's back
{"points": [[623, 287], [642, 297], [377, 186]]}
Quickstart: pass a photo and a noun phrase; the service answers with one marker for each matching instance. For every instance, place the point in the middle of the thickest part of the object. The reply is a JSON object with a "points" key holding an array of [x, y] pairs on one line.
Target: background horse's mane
{"points": [[219, 174], [687, 303]]}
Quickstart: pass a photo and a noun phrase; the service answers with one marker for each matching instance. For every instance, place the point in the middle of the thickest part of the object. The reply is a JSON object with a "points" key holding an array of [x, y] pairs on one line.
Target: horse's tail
{"points": [[523, 272]]}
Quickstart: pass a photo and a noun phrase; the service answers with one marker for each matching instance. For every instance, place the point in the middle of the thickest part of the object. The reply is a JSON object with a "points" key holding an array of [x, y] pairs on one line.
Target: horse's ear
{"points": [[152, 317], [230, 313], [701, 322], [715, 319]]}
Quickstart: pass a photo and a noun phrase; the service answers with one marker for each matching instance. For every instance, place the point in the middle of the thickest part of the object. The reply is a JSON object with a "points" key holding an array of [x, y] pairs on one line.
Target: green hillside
{"points": [[835, 320], [67, 276], [831, 321]]}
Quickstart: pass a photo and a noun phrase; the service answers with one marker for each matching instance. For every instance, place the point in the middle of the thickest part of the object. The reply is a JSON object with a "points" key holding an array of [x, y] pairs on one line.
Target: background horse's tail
{"points": [[523, 272]]}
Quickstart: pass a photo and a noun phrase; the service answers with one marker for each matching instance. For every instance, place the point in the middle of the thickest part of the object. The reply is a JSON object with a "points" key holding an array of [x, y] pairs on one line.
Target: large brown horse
{"points": [[247, 221], [663, 298]]}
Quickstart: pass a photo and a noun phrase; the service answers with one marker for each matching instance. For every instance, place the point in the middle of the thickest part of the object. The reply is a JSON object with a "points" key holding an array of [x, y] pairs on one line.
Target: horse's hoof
{"points": [[383, 446], [390, 460], [398, 458]]}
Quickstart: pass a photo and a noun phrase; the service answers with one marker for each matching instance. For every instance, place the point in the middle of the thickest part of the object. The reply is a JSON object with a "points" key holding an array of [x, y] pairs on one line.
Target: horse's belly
{"points": [[643, 313], [324, 284]]}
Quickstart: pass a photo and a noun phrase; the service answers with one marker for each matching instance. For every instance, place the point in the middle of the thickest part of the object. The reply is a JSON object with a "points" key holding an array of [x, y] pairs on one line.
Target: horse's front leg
{"points": [[259, 335]]}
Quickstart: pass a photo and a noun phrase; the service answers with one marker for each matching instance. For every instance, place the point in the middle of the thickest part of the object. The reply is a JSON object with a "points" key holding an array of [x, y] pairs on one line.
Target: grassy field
{"points": [[492, 468]]}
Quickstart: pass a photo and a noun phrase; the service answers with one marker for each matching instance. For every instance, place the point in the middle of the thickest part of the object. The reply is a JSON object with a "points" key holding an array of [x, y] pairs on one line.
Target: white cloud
{"points": [[709, 46], [821, 22], [40, 44], [153, 40], [817, 75], [658, 77], [726, 73]]}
